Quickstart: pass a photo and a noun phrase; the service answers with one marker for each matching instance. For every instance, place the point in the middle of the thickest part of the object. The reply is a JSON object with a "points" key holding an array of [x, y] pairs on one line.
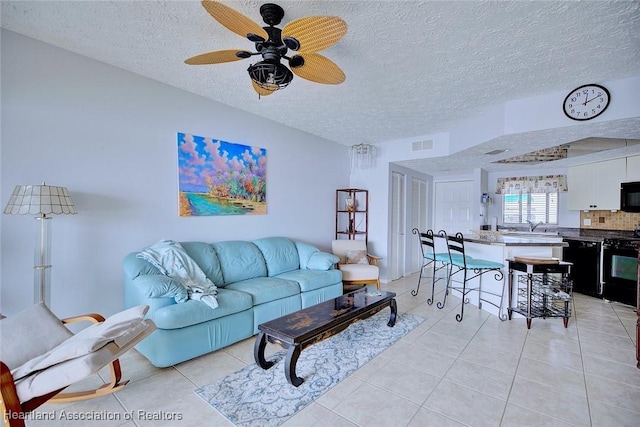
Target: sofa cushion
{"points": [[206, 258], [265, 289], [309, 280], [193, 312], [239, 261], [202, 253], [279, 253], [353, 272]]}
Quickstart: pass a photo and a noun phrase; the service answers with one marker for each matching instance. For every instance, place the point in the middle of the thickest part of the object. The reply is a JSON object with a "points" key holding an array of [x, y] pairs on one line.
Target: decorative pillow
{"points": [[305, 252], [356, 257], [322, 261]]}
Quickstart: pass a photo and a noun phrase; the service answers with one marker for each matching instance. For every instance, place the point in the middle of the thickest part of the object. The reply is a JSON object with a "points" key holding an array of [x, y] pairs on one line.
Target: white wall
{"points": [[543, 111], [110, 137]]}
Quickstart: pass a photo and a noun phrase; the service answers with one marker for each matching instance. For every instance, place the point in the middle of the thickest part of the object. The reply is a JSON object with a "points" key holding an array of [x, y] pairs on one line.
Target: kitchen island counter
{"points": [[498, 248], [503, 240]]}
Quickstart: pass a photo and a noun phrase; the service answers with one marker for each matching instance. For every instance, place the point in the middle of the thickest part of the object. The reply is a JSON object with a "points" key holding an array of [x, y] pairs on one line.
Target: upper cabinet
{"points": [[633, 169], [596, 186]]}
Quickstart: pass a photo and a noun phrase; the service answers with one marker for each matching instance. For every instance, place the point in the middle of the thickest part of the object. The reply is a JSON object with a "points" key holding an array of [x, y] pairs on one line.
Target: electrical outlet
{"points": [[586, 221]]}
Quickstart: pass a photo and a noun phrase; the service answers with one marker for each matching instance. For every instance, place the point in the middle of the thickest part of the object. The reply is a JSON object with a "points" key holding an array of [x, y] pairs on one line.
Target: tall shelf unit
{"points": [[352, 214]]}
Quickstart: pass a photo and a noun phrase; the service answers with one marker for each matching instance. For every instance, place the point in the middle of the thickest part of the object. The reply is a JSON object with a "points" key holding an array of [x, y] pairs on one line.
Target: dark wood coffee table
{"points": [[299, 330]]}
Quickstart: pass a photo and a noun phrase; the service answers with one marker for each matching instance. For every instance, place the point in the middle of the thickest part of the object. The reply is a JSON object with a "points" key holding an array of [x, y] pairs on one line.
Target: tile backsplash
{"points": [[607, 220]]}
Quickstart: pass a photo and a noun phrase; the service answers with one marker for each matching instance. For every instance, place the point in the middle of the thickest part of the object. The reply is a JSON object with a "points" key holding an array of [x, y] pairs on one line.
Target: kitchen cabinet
{"points": [[633, 169], [596, 186]]}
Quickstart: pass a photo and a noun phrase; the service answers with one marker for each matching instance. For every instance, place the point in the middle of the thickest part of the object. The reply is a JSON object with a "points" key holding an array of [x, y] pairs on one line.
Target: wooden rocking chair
{"points": [[40, 357]]}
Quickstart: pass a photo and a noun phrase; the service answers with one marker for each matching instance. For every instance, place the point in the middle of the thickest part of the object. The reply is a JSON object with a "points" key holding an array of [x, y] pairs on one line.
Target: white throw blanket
{"points": [[171, 259], [120, 328]]}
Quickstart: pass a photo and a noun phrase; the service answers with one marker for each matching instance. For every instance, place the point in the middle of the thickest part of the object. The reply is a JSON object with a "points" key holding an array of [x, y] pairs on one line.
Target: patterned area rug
{"points": [[255, 397]]}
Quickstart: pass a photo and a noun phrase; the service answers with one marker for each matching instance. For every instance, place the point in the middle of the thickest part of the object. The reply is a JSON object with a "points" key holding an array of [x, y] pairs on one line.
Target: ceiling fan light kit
{"points": [[305, 36], [270, 75]]}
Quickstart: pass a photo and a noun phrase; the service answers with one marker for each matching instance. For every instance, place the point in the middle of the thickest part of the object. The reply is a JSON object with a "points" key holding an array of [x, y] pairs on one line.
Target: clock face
{"points": [[586, 102]]}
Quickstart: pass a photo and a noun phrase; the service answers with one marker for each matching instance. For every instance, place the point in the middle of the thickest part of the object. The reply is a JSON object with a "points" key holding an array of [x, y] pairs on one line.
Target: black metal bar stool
{"points": [[459, 262], [430, 258]]}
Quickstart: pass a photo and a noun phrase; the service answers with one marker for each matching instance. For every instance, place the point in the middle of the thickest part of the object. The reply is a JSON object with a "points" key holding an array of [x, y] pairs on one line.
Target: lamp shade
{"points": [[40, 200]]}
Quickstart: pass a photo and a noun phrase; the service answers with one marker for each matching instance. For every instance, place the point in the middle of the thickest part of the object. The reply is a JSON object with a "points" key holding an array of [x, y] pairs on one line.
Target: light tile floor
{"points": [[480, 372]]}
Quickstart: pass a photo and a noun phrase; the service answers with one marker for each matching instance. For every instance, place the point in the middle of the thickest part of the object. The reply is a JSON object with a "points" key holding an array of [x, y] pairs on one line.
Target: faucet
{"points": [[533, 226]]}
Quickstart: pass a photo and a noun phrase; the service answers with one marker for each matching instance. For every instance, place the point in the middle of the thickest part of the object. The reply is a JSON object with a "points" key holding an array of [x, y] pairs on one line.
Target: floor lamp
{"points": [[43, 201]]}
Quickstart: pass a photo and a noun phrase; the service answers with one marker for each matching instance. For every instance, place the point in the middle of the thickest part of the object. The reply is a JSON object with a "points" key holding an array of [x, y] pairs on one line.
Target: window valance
{"points": [[532, 184]]}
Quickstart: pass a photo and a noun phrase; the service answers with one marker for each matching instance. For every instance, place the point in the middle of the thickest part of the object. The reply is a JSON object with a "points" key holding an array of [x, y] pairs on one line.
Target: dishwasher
{"points": [[586, 271]]}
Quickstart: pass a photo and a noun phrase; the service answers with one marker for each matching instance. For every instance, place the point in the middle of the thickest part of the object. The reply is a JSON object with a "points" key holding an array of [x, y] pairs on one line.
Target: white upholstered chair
{"points": [[40, 357], [357, 265]]}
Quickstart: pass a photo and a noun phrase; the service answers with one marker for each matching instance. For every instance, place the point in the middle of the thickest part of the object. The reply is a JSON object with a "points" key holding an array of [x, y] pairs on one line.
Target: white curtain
{"points": [[532, 184]]}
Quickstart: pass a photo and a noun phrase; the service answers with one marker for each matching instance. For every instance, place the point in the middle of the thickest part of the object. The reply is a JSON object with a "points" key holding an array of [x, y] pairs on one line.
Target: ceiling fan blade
{"points": [[234, 20], [319, 69], [260, 90], [315, 33], [216, 57]]}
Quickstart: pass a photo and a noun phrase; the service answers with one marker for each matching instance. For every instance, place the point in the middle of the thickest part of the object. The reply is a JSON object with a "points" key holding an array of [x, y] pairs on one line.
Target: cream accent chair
{"points": [[350, 251], [39, 356]]}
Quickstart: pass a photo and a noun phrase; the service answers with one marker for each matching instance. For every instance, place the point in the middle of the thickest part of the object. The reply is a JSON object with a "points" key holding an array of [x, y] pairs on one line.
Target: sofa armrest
{"points": [[160, 286], [322, 261]]}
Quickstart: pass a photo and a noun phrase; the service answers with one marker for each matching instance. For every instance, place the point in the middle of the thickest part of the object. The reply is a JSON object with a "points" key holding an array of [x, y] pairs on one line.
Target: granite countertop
{"points": [[589, 235], [512, 238], [501, 240], [595, 235]]}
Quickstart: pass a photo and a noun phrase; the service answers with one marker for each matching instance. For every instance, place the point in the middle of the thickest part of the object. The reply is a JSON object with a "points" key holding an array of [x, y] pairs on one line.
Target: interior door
{"points": [[397, 254], [419, 220], [453, 203]]}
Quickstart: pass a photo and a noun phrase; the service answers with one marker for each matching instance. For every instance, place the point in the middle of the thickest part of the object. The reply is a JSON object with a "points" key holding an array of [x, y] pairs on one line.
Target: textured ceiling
{"points": [[518, 144], [413, 68]]}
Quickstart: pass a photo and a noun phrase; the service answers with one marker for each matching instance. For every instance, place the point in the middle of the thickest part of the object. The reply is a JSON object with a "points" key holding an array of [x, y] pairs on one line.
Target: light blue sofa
{"points": [[257, 281]]}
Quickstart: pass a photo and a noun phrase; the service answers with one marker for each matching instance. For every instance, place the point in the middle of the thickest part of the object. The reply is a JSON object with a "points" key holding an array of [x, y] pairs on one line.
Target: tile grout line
{"points": [[513, 378], [584, 371]]}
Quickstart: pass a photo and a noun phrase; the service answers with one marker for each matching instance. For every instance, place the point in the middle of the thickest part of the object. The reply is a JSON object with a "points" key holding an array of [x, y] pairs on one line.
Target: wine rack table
{"points": [[543, 289]]}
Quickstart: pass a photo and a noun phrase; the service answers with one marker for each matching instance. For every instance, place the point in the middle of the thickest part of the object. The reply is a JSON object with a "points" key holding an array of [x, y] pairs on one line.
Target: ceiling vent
{"points": [[422, 145]]}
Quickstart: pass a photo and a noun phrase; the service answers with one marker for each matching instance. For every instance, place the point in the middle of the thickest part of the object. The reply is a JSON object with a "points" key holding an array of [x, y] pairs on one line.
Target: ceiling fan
{"points": [[305, 37]]}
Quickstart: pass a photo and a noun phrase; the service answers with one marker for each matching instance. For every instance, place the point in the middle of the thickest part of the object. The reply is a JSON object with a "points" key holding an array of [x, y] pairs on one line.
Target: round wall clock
{"points": [[586, 102]]}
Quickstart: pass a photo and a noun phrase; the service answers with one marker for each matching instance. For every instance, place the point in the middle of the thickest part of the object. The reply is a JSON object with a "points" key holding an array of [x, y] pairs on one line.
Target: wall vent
{"points": [[422, 145]]}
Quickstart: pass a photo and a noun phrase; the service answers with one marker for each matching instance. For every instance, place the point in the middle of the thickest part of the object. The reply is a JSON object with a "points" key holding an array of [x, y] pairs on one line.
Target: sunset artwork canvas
{"points": [[220, 178]]}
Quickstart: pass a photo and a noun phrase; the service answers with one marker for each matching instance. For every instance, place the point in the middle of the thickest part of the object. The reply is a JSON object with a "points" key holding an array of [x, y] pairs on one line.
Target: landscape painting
{"points": [[220, 178]]}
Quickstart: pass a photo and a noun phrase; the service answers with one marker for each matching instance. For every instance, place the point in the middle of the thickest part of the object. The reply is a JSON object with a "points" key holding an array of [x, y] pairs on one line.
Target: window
{"points": [[535, 207]]}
